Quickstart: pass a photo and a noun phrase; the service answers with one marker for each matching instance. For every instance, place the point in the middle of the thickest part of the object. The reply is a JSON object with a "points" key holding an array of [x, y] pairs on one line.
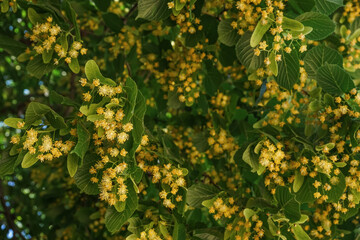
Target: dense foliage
{"points": [[184, 119]]}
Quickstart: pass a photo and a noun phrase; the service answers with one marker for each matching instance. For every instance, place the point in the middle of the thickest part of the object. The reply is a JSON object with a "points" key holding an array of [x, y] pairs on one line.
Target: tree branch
{"points": [[132, 9], [9, 218]]}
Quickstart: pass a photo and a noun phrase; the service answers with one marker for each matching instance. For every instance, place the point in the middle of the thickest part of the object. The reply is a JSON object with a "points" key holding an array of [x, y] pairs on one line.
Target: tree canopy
{"points": [[183, 119]]}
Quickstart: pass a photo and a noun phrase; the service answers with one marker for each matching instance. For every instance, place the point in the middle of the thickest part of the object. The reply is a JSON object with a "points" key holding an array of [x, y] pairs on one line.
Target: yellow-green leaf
{"points": [[35, 17], [92, 72], [72, 164], [47, 55], [292, 24], [258, 33], [248, 213], [299, 233], [74, 65], [273, 64], [298, 181], [5, 6], [12, 122], [29, 160]]}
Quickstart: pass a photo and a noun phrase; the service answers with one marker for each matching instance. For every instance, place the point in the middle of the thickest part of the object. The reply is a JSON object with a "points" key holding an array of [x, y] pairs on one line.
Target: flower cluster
{"points": [[43, 146], [221, 208], [48, 37], [149, 235]]}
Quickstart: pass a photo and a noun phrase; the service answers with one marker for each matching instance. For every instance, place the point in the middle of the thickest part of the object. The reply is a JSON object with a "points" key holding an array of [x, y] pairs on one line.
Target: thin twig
{"points": [[132, 9], [9, 218], [128, 68]]}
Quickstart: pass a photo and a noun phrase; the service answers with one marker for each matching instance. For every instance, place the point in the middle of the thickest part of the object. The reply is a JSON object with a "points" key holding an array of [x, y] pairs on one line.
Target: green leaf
{"points": [[292, 24], [352, 132], [12, 122], [91, 109], [248, 213], [179, 5], [7, 163], [227, 34], [340, 164], [132, 92], [82, 176], [259, 32], [322, 25], [12, 46], [288, 203], [163, 230], [328, 145], [120, 206], [272, 227], [199, 141], [199, 192], [303, 5], [245, 54], [72, 164], [103, 5], [355, 25], [315, 106], [153, 10], [303, 219], [353, 36], [298, 181], [334, 80], [37, 68], [299, 233], [55, 120], [71, 15], [64, 42], [92, 72], [35, 111], [250, 157], [171, 150], [74, 65], [306, 192], [289, 70], [60, 99], [23, 57], [179, 232], [113, 21], [328, 6], [209, 234], [47, 55], [318, 56], [273, 64], [138, 118], [83, 140], [114, 220], [212, 79], [137, 174], [135, 225], [305, 32], [29, 160], [5, 6], [34, 17]]}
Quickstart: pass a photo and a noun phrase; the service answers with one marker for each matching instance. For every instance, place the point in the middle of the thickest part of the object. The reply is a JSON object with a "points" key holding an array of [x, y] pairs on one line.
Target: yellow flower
{"points": [[15, 139], [317, 195], [128, 127], [76, 45], [171, 5], [87, 96], [20, 124], [123, 152]]}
